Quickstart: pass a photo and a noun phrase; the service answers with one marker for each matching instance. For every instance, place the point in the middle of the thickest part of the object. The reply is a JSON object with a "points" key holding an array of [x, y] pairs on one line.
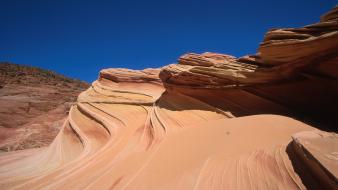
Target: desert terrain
{"points": [[209, 121], [34, 103]]}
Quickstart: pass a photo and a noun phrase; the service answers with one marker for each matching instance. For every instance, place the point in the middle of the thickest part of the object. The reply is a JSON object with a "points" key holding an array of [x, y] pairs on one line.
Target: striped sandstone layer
{"points": [[208, 122]]}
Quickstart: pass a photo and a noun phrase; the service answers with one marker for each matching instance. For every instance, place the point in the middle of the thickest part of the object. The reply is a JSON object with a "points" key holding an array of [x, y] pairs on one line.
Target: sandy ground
{"points": [[151, 139]]}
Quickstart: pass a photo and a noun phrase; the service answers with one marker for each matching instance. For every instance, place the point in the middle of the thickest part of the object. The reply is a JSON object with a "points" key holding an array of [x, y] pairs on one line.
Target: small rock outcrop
{"points": [[317, 151]]}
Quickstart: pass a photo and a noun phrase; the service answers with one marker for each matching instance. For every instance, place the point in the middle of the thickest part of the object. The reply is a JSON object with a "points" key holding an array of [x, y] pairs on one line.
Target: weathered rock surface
{"points": [[34, 104], [318, 152], [302, 46], [207, 122], [127, 75], [294, 68], [283, 54]]}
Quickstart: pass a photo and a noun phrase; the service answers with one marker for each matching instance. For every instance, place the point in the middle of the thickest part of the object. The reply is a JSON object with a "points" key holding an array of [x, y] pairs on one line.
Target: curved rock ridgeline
{"points": [[179, 128], [302, 45], [283, 54], [128, 75]]}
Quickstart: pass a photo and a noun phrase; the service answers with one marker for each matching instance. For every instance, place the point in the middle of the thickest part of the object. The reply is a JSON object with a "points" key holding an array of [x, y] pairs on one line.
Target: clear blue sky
{"points": [[79, 38]]}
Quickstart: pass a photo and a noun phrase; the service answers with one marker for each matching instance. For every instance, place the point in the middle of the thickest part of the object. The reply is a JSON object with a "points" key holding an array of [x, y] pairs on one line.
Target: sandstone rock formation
{"points": [[33, 105], [302, 61], [317, 152], [205, 123]]}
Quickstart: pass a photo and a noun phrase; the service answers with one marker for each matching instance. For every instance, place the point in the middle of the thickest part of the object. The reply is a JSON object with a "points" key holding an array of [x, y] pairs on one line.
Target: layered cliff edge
{"points": [[211, 121]]}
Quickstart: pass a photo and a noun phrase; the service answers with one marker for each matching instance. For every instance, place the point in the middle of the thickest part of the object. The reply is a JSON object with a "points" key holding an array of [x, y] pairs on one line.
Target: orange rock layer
{"points": [[208, 122]]}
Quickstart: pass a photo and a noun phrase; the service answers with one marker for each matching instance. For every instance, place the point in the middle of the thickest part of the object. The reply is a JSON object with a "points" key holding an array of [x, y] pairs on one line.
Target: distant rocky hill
{"points": [[33, 105]]}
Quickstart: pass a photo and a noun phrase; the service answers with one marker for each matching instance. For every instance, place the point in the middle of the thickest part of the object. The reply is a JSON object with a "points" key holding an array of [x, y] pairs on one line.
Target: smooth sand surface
{"points": [[149, 138]]}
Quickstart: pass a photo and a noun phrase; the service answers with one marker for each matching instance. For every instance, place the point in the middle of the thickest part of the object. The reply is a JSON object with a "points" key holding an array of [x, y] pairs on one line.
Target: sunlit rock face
{"points": [[302, 46], [284, 53], [208, 122]]}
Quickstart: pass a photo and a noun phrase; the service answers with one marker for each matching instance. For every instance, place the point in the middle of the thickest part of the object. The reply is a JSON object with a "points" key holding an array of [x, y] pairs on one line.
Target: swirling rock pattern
{"points": [[204, 123]]}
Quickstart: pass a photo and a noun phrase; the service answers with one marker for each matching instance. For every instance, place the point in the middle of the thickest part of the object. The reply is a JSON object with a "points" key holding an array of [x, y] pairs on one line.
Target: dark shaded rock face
{"points": [[294, 68], [33, 105]]}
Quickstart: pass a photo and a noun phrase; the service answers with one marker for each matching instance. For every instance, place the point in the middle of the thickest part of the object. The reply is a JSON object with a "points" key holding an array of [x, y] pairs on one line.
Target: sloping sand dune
{"points": [[171, 142], [149, 138]]}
